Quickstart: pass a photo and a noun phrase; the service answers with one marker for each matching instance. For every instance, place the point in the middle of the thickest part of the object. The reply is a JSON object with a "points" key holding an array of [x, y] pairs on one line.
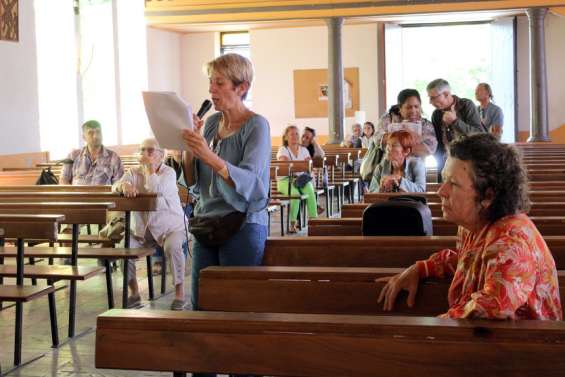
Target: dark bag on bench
{"points": [[47, 178], [399, 216]]}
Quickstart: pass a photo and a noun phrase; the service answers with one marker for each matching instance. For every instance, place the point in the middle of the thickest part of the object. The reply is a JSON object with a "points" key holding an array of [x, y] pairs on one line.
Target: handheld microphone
{"points": [[204, 108]]}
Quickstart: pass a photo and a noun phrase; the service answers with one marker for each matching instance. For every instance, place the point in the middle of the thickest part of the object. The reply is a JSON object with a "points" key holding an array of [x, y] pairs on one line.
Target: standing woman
{"points": [[409, 110], [229, 165]]}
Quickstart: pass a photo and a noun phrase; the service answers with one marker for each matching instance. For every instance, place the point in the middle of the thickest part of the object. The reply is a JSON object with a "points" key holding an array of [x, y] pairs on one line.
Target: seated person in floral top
{"points": [[94, 164], [501, 267]]}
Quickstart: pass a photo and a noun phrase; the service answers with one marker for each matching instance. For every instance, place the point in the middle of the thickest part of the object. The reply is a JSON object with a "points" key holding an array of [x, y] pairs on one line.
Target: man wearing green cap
{"points": [[93, 164]]}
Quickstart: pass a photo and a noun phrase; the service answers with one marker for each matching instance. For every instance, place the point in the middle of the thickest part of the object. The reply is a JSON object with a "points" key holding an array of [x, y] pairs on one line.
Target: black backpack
{"points": [[47, 178], [399, 216]]}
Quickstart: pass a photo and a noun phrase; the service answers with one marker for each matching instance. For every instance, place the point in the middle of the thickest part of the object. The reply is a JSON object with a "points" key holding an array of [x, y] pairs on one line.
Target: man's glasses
{"points": [[149, 150], [433, 98]]}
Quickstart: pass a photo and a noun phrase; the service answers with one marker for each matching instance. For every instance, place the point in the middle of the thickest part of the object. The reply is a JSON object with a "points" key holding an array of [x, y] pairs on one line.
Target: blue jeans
{"points": [[245, 248]]}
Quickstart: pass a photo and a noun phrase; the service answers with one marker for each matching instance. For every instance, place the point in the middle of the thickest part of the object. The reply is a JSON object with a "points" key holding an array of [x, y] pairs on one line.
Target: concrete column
{"points": [[336, 109], [539, 125]]}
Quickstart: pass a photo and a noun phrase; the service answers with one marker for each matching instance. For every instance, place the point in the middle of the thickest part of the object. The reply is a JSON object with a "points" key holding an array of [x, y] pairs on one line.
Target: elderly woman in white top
{"points": [[291, 150], [165, 226]]}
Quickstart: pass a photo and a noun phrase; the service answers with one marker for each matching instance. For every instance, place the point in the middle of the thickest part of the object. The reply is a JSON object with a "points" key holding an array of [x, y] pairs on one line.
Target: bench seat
{"points": [[85, 253], [53, 273], [18, 293]]}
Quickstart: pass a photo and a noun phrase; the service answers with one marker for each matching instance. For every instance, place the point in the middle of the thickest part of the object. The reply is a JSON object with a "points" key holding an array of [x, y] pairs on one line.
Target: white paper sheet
{"points": [[168, 115], [414, 127]]}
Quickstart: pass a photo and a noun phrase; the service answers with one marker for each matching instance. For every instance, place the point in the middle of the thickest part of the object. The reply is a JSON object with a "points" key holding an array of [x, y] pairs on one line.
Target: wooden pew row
{"points": [[548, 226], [535, 196], [359, 251], [534, 186], [315, 290], [23, 159], [536, 209], [142, 202], [327, 345], [75, 214], [21, 227], [55, 188]]}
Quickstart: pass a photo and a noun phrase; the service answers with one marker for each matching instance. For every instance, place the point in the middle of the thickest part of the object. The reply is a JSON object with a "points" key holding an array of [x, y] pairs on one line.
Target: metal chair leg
{"points": [[109, 285], [53, 318], [150, 279], [164, 274], [18, 334]]}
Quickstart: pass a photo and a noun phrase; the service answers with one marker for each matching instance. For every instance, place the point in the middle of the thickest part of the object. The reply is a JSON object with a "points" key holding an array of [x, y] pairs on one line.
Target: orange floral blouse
{"points": [[504, 271]]}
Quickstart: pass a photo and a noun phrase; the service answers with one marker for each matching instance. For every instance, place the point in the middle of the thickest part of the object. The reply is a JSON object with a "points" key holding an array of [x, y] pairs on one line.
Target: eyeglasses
{"points": [[149, 150], [433, 98]]}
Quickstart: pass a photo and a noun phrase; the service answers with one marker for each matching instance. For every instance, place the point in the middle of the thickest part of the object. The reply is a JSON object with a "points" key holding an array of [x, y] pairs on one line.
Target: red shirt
{"points": [[504, 271]]}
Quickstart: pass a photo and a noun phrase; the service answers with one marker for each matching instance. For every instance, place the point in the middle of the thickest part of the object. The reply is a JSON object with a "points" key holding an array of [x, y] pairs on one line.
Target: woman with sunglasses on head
{"points": [[163, 227], [228, 162], [398, 171], [292, 150]]}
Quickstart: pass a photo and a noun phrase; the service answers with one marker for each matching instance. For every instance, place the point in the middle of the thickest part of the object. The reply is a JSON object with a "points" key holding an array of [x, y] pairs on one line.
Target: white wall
{"points": [[196, 50], [275, 58], [19, 111], [276, 53], [163, 60]]}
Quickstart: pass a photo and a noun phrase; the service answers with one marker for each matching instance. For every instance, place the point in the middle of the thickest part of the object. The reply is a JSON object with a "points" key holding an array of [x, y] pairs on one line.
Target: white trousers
{"points": [[173, 251]]}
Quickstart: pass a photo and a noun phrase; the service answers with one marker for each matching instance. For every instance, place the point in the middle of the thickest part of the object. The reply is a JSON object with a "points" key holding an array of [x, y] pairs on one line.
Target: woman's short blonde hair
{"points": [[238, 69]]}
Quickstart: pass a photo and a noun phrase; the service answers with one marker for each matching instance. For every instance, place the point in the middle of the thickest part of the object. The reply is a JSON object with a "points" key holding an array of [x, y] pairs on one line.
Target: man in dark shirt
{"points": [[453, 118]]}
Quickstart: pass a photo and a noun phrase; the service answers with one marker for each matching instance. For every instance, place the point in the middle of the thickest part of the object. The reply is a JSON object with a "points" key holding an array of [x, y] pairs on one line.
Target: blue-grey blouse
{"points": [[414, 179], [247, 154]]}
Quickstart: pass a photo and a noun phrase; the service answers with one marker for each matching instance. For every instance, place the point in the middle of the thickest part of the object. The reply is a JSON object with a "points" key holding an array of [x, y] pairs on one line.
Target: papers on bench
{"points": [[168, 115], [414, 127]]}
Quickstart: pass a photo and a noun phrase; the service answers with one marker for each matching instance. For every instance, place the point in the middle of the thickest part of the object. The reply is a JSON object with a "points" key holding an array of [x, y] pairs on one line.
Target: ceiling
{"points": [[456, 17]]}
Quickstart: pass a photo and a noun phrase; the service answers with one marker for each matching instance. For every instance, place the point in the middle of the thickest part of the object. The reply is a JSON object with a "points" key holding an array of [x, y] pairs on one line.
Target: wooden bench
{"points": [[75, 214], [327, 345], [285, 169], [56, 188], [20, 227], [362, 251], [547, 225], [534, 186], [142, 202], [537, 209], [23, 160], [535, 196], [328, 290]]}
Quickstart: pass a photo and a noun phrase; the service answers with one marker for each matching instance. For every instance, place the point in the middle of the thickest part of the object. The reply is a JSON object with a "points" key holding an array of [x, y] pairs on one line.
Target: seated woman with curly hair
{"points": [[502, 267]]}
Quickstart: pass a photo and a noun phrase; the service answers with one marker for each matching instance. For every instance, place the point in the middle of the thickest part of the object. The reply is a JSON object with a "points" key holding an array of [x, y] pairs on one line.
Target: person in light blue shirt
{"points": [[397, 172], [492, 117], [229, 165]]}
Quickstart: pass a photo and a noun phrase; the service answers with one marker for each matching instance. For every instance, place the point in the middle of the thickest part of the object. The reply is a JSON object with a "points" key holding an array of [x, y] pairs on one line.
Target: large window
{"points": [[463, 54], [237, 42], [91, 64]]}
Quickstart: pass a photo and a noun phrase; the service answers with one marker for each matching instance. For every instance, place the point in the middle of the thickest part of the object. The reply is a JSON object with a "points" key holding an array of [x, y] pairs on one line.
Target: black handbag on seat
{"points": [[406, 215]]}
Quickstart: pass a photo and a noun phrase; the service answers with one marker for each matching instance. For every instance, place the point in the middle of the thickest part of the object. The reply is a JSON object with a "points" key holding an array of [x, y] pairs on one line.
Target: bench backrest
{"points": [[326, 345], [548, 226], [29, 226]]}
